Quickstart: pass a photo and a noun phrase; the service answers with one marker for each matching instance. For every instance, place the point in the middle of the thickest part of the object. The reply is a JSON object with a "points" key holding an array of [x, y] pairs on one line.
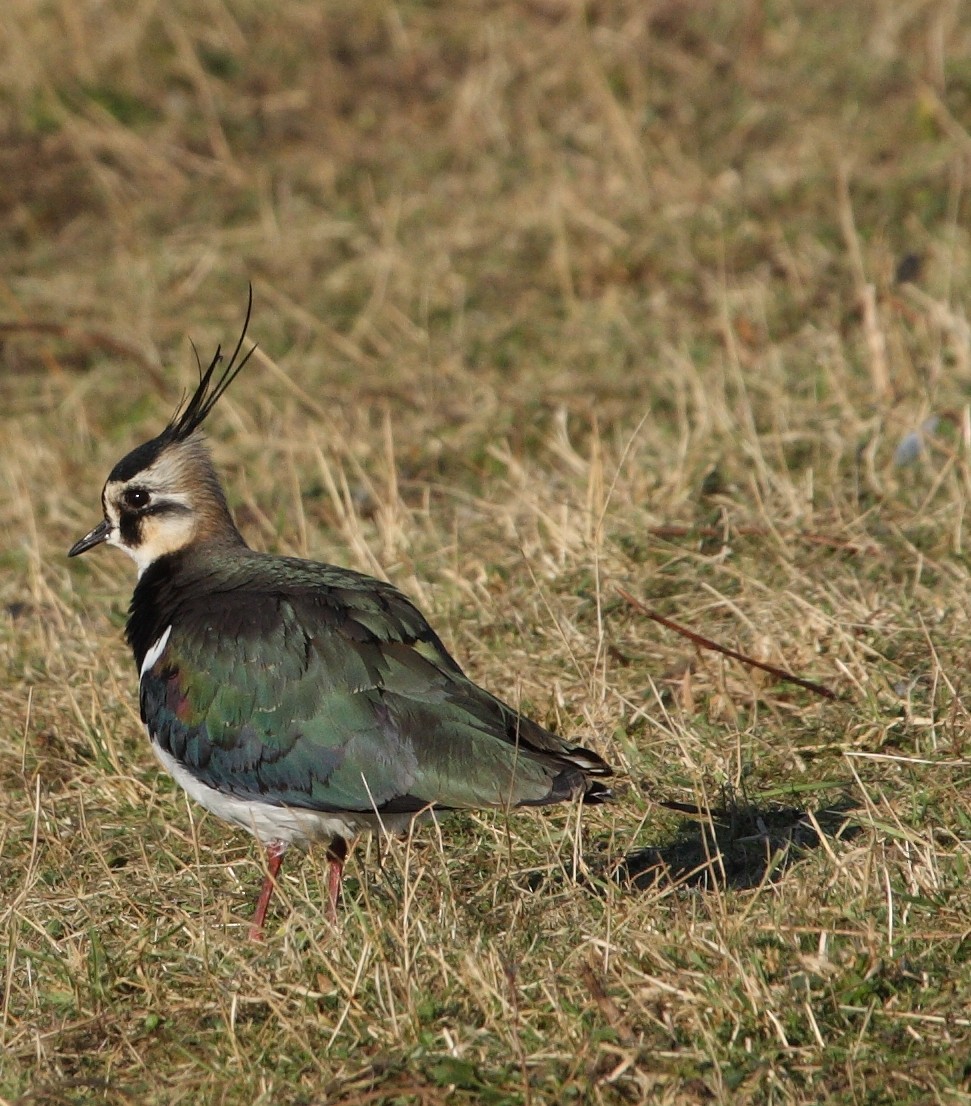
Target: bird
{"points": [[304, 702]]}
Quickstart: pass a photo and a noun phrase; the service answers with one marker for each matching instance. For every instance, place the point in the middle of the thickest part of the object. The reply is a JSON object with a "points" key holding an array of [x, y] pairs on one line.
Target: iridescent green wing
{"points": [[343, 699]]}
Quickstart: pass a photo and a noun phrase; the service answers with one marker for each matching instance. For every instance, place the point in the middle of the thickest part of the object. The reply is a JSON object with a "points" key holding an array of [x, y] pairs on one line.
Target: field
{"points": [[568, 314]]}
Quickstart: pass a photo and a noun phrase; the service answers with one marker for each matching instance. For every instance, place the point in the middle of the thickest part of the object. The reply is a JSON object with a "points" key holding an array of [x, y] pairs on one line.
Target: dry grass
{"points": [[551, 298]]}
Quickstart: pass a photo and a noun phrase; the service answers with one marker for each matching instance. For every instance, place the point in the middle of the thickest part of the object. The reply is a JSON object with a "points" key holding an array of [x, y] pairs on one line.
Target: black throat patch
{"points": [[130, 528]]}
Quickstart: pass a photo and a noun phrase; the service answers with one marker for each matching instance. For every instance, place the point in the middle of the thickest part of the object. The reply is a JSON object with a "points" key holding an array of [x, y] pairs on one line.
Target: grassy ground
{"points": [[552, 298]]}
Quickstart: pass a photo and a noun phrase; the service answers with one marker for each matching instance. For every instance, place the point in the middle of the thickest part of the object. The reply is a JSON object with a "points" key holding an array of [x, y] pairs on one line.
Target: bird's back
{"points": [[307, 685]]}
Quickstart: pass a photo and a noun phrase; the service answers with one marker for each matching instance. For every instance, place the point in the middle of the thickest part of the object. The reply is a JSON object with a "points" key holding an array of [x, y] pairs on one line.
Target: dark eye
{"points": [[135, 498]]}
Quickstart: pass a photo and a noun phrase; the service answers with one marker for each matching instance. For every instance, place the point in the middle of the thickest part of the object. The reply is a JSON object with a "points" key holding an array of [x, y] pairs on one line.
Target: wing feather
{"points": [[342, 699]]}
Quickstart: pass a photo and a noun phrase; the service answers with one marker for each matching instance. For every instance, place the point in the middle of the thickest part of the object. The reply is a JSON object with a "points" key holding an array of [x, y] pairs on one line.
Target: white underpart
{"points": [[268, 822], [155, 652], [288, 825]]}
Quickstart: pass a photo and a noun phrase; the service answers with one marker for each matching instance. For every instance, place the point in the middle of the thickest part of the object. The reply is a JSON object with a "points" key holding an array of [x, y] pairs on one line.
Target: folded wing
{"points": [[338, 700]]}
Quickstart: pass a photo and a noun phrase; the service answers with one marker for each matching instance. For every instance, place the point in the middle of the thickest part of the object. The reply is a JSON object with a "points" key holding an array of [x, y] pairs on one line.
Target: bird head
{"points": [[165, 494]]}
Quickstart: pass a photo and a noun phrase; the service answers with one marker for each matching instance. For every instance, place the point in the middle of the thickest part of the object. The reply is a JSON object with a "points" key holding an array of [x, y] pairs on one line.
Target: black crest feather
{"points": [[190, 416]]}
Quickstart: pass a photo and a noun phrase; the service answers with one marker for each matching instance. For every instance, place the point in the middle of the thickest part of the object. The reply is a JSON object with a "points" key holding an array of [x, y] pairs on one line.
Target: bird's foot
{"points": [[336, 855], [274, 858]]}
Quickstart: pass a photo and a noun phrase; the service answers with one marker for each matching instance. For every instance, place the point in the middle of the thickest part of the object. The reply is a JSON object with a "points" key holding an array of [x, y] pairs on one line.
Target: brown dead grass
{"points": [[551, 298]]}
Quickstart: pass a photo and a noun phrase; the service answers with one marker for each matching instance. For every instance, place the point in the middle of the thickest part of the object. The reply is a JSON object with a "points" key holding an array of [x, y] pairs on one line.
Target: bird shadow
{"points": [[737, 845]]}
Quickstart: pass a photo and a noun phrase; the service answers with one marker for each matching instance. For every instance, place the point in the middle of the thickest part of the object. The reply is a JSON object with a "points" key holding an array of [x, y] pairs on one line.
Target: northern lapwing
{"points": [[301, 701]]}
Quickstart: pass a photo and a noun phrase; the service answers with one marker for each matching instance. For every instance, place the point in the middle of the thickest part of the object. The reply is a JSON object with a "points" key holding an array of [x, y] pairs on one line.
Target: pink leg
{"points": [[274, 858], [336, 855]]}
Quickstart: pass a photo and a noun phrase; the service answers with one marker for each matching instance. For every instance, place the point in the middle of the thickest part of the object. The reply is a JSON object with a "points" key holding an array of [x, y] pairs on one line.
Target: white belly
{"points": [[290, 825]]}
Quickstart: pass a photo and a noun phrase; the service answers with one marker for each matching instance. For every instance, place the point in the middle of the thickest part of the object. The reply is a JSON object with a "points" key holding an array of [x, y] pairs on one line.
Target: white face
{"points": [[160, 500], [148, 514]]}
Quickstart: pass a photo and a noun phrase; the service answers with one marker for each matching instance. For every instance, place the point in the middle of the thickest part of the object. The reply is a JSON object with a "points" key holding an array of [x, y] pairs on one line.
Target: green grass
{"points": [[551, 300]]}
